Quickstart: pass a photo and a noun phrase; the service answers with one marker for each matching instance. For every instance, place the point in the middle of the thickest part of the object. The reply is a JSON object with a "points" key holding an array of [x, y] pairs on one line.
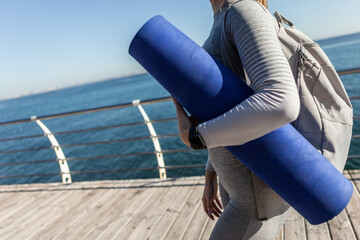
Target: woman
{"points": [[244, 38]]}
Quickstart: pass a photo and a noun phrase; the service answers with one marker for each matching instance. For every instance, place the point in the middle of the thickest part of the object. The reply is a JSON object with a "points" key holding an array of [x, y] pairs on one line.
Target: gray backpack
{"points": [[326, 115]]}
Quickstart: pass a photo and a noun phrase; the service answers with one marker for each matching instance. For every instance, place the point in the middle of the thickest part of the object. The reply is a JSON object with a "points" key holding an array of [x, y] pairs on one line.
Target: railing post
{"points": [[64, 168], [155, 139]]}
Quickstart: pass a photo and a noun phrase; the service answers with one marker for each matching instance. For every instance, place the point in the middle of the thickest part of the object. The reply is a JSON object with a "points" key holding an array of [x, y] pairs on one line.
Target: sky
{"points": [[45, 45]]}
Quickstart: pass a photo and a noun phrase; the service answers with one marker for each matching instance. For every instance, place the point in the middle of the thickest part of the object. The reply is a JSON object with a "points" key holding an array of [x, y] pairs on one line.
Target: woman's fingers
{"points": [[184, 123], [215, 206], [210, 208], [216, 209], [218, 202], [205, 206]]}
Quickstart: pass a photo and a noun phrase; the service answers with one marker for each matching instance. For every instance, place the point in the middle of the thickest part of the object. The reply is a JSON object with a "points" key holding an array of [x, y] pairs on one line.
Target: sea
{"points": [[19, 167]]}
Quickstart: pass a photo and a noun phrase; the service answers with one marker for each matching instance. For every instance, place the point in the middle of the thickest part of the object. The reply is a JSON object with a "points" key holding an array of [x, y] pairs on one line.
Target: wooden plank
{"points": [[163, 226], [138, 217], [98, 217], [19, 202], [294, 228], [22, 220], [152, 216], [6, 197], [353, 210], [355, 177], [79, 219], [208, 229], [109, 213], [77, 203], [197, 225], [98, 228], [29, 223], [182, 222], [317, 232], [21, 208], [132, 209], [72, 216], [59, 213], [340, 227]]}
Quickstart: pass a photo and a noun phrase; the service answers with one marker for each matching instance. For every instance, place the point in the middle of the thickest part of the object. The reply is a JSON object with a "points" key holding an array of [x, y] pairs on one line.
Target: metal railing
{"points": [[348, 71], [62, 160], [65, 172]]}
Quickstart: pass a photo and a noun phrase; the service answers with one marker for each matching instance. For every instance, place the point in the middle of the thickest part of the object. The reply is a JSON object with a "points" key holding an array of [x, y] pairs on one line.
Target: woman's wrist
{"points": [[195, 139]]}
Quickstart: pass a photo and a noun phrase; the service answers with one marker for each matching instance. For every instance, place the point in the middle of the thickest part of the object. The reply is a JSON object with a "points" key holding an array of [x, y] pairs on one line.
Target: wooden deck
{"points": [[138, 209]]}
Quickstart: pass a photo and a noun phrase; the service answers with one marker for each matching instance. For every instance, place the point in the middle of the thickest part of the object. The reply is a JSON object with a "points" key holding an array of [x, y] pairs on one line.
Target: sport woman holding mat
{"points": [[243, 37]]}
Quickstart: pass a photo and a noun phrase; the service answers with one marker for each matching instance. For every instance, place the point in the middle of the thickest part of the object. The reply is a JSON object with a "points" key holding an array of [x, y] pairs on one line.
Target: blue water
{"points": [[344, 52]]}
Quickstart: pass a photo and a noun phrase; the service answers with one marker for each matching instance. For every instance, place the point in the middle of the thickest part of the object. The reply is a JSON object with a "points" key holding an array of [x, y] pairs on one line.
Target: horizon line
{"points": [[54, 89]]}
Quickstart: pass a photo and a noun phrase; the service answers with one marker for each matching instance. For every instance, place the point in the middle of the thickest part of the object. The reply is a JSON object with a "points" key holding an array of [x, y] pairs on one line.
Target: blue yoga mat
{"points": [[283, 159]]}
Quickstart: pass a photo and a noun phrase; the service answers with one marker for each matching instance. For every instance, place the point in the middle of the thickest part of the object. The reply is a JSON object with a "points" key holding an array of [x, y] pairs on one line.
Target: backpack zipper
{"points": [[303, 59]]}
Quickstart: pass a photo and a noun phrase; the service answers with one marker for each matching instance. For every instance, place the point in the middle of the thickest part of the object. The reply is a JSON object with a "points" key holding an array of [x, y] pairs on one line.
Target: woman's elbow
{"points": [[290, 108]]}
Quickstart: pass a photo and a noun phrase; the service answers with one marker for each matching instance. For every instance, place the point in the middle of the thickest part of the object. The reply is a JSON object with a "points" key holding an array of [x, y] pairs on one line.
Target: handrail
{"points": [[102, 142], [349, 71], [107, 171], [128, 155], [154, 138], [64, 167], [96, 157], [90, 110], [87, 144], [88, 129]]}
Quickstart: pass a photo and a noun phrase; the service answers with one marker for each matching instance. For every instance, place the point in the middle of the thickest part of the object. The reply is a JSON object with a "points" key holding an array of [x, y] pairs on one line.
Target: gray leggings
{"points": [[239, 219]]}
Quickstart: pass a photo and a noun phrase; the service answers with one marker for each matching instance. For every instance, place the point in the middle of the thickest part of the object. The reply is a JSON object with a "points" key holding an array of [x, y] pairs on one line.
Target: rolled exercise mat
{"points": [[283, 159]]}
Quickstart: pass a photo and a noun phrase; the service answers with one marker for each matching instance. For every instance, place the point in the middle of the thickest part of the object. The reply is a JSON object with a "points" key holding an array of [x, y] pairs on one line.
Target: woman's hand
{"points": [[184, 123], [211, 202]]}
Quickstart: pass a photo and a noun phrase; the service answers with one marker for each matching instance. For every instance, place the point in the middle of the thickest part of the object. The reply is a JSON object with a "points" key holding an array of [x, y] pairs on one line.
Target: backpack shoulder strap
{"points": [[282, 20]]}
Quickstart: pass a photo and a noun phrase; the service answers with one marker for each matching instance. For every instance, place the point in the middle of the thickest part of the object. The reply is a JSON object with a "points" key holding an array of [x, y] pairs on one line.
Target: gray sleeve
{"points": [[275, 101], [209, 166]]}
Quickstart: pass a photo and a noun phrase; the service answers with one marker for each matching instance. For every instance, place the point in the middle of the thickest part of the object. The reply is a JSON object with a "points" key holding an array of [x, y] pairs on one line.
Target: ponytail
{"points": [[263, 2]]}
